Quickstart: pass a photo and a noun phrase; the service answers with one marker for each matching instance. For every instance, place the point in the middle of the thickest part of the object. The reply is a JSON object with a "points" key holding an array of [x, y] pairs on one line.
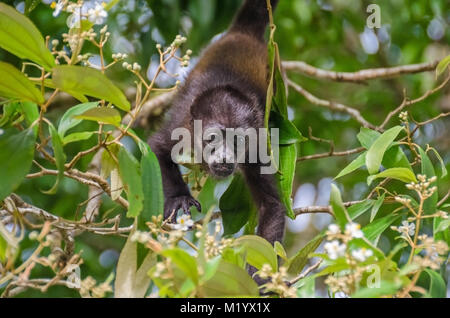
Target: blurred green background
{"points": [[329, 34]]}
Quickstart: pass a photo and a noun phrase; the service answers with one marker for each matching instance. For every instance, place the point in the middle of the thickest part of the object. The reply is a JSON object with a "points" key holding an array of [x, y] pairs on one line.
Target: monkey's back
{"points": [[240, 54]]}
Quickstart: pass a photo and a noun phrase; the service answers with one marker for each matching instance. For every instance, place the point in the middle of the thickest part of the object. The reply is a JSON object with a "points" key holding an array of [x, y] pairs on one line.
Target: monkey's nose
{"points": [[223, 169]]}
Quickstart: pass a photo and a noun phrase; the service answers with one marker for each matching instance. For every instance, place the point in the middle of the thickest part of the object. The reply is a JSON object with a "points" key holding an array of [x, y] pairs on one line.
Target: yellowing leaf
{"points": [[443, 65], [402, 174], [101, 115]]}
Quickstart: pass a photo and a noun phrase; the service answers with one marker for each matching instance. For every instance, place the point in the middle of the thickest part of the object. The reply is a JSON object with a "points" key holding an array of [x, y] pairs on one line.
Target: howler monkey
{"points": [[226, 89]]}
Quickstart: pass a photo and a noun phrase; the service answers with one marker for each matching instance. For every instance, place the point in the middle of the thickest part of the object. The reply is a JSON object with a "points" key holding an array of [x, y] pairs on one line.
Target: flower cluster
{"points": [[407, 229], [184, 223], [213, 246], [432, 251], [276, 281], [135, 67], [423, 186], [338, 247], [89, 288], [403, 117], [335, 249], [346, 282], [82, 10]]}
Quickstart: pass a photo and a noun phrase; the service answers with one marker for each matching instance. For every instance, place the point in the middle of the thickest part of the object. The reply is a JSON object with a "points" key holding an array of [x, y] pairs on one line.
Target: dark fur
{"points": [[227, 87]]}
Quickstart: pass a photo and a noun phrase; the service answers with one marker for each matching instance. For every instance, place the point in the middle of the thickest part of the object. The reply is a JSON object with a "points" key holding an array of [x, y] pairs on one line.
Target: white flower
{"points": [[362, 254], [58, 7], [407, 228], [334, 249], [184, 222], [333, 229], [98, 14], [354, 230]]}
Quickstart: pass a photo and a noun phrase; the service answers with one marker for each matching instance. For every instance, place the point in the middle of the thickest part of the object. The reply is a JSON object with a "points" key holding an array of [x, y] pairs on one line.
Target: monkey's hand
{"points": [[185, 202]]}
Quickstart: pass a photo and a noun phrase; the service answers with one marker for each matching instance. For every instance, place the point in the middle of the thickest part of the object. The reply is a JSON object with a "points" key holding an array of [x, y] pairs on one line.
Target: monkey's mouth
{"points": [[222, 170]]}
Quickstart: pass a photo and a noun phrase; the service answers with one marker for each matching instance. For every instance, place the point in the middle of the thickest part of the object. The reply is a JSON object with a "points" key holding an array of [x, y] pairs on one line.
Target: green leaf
{"points": [[68, 121], [3, 247], [235, 256], [80, 97], [354, 165], [443, 168], [236, 205], [184, 262], [211, 267], [357, 209], [271, 53], [306, 287], [280, 94], [285, 177], [377, 150], [15, 84], [19, 36], [367, 137], [373, 230], [279, 249], [386, 289], [289, 134], [377, 206], [442, 226], [259, 251], [60, 157], [31, 113], [16, 156], [396, 158], [338, 207], [299, 260], [9, 112], [437, 287], [430, 204], [402, 174], [442, 66], [78, 136], [230, 280], [152, 189], [131, 177], [206, 196], [101, 115], [89, 81]]}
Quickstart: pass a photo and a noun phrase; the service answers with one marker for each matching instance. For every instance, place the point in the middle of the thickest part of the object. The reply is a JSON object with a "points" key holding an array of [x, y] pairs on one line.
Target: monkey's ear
{"points": [[201, 107]]}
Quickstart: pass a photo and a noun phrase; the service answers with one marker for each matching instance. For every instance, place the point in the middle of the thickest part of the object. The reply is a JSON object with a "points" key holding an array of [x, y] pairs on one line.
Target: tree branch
{"points": [[331, 105], [359, 76]]}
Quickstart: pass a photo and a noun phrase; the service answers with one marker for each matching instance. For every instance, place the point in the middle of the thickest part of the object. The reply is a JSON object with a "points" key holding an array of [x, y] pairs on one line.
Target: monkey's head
{"points": [[226, 116]]}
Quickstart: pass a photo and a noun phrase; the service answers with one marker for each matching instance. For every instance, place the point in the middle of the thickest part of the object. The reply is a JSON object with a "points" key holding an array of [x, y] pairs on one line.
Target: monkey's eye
{"points": [[213, 138]]}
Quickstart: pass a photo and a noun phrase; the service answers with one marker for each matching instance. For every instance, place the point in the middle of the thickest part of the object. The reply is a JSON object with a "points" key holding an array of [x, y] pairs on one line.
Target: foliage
{"points": [[89, 164]]}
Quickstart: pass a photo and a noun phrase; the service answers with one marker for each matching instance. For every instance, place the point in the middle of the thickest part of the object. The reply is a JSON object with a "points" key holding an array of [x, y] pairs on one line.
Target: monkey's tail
{"points": [[253, 18]]}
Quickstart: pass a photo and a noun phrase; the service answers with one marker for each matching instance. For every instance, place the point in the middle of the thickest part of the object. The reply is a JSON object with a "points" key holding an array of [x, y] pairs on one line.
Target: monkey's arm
{"points": [[176, 192], [271, 209]]}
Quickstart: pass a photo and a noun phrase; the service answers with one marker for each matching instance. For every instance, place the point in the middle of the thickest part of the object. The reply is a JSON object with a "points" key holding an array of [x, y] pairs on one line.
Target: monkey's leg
{"points": [[271, 209], [176, 192]]}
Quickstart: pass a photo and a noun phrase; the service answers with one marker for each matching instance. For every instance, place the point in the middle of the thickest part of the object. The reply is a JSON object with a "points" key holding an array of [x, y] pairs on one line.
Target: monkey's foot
{"points": [[184, 203]]}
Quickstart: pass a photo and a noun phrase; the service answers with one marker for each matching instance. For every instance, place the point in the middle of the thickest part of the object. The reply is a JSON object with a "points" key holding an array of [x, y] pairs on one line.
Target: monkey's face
{"points": [[225, 117], [223, 150]]}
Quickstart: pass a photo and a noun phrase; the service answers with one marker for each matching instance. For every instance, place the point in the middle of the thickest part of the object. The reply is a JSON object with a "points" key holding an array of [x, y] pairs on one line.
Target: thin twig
{"points": [[331, 105], [306, 272]]}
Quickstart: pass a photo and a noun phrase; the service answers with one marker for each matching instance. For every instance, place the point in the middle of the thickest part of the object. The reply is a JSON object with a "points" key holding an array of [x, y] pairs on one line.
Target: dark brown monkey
{"points": [[226, 89]]}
